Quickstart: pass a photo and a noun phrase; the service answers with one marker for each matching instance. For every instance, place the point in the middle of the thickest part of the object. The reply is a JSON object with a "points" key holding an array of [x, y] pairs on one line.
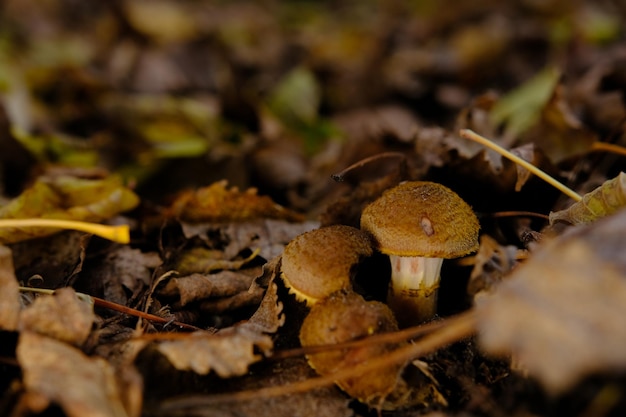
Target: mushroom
{"points": [[418, 224], [344, 316], [319, 262]]}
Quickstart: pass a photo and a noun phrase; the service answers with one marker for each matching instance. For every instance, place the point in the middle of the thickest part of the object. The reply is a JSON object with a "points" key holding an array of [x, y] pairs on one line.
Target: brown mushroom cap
{"points": [[345, 316], [319, 262], [420, 218]]}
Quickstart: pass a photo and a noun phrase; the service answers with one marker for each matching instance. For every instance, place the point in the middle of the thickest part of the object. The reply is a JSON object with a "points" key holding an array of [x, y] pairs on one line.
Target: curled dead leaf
{"points": [[561, 313], [196, 287], [492, 262], [268, 235], [603, 201], [226, 354], [230, 351], [61, 316], [217, 203], [10, 295], [89, 386]]}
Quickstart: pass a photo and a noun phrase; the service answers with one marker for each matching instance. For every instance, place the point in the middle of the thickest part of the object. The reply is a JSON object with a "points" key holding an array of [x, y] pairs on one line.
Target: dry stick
{"points": [[119, 233], [116, 307], [455, 329], [380, 338], [147, 316], [608, 147], [517, 213], [340, 176], [471, 135]]}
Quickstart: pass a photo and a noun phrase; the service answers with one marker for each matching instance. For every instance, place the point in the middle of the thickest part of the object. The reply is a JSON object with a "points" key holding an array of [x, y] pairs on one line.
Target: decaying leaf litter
{"points": [[212, 129]]}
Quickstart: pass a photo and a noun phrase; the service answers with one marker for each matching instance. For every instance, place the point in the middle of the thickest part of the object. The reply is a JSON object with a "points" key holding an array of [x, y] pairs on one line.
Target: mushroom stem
{"points": [[413, 288]]}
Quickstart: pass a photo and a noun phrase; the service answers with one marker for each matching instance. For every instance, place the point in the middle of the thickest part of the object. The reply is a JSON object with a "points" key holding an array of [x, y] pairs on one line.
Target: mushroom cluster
{"points": [[419, 224], [318, 268]]}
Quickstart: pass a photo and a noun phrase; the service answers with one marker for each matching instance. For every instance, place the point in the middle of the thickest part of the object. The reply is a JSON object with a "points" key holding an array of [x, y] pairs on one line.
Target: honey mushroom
{"points": [[346, 316], [317, 266], [419, 224], [320, 262]]}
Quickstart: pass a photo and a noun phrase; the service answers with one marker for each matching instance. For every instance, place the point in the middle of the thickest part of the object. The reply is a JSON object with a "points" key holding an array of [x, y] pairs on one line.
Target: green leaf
{"points": [[296, 98], [521, 108]]}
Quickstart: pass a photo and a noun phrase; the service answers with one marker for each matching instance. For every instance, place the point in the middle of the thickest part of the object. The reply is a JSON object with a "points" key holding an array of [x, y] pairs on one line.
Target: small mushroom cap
{"points": [[346, 316], [420, 218], [319, 262]]}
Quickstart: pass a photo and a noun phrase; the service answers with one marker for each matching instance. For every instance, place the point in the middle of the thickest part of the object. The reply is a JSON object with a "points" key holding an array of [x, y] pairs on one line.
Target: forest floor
{"points": [[217, 132]]}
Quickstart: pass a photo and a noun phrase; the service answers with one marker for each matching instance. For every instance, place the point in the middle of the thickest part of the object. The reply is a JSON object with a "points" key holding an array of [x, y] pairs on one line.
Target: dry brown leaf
{"points": [[62, 316], [602, 201], [561, 313], [217, 203], [10, 294], [203, 286], [249, 298], [527, 153], [232, 350], [476, 117], [59, 258], [227, 354], [559, 133], [269, 236], [200, 260], [268, 318], [492, 262], [120, 274], [58, 373]]}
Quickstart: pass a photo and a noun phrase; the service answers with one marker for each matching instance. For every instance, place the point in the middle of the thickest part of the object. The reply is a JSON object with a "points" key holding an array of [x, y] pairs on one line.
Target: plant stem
{"points": [[119, 233], [116, 307], [471, 135]]}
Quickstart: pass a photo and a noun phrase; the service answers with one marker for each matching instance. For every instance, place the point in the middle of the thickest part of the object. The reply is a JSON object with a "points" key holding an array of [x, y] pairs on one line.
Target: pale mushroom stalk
{"points": [[414, 284]]}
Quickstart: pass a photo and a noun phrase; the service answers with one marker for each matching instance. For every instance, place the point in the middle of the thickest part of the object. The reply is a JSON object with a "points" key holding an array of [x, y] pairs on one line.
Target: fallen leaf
{"points": [[492, 263], [527, 153], [162, 21], [559, 133], [217, 203], [296, 98], [244, 299], [227, 354], [232, 350], [197, 287], [561, 313], [269, 236], [121, 274], [203, 261], [65, 197], [603, 201], [82, 386], [62, 316], [59, 258], [10, 295], [521, 108]]}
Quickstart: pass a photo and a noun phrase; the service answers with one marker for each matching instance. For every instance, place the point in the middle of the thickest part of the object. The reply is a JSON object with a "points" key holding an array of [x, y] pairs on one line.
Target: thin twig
{"points": [[116, 307], [473, 136]]}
